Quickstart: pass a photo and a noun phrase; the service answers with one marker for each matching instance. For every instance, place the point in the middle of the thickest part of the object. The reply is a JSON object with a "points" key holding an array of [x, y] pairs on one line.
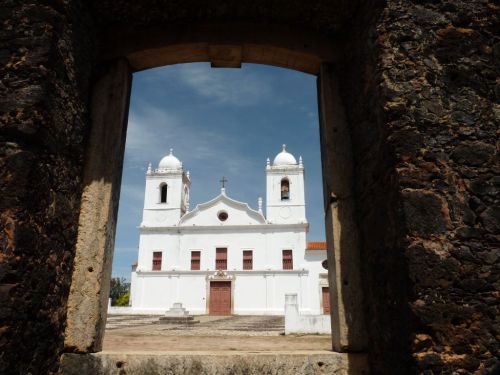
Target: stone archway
{"points": [[421, 98], [223, 46]]}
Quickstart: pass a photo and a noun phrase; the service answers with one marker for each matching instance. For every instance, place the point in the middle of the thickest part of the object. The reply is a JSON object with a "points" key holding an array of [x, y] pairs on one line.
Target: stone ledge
{"points": [[215, 363]]}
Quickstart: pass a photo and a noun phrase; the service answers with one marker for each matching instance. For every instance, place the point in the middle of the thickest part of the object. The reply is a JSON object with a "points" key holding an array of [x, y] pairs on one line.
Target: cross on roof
{"points": [[223, 182]]}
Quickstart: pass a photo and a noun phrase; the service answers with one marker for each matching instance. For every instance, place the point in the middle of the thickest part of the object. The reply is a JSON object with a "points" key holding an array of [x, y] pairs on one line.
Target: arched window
{"points": [[163, 194], [285, 189]]}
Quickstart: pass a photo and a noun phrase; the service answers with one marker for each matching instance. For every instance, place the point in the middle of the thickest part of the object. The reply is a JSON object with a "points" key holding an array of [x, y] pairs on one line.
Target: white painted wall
{"points": [[266, 241], [295, 322], [159, 290], [255, 292]]}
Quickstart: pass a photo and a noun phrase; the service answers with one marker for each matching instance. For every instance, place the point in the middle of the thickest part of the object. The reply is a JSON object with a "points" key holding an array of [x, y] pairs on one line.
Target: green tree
{"points": [[118, 288], [123, 300]]}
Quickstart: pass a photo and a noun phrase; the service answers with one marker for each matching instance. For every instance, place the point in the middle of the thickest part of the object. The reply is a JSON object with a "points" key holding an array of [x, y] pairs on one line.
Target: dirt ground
{"points": [[252, 334]]}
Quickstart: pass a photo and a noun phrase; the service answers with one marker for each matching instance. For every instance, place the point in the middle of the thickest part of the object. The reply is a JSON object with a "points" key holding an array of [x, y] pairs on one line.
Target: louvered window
{"points": [[247, 259], [157, 255], [221, 259], [287, 260], [195, 260]]}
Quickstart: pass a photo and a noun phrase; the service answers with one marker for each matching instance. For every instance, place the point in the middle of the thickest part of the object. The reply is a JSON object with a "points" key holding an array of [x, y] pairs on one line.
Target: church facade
{"points": [[224, 257]]}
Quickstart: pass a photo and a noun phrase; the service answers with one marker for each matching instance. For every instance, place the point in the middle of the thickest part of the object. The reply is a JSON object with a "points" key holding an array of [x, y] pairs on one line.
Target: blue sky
{"points": [[220, 122]]}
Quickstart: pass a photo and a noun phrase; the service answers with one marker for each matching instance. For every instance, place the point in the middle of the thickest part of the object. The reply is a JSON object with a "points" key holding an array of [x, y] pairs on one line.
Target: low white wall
{"points": [[296, 323], [118, 310], [129, 310]]}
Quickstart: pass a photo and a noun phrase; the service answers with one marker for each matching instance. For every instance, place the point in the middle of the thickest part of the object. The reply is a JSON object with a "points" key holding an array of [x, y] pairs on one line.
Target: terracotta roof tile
{"points": [[316, 246]]}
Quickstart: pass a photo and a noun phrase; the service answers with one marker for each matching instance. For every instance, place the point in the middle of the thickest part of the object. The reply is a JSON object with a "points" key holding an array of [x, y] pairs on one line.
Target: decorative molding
{"points": [[221, 275], [323, 280], [233, 273], [231, 202], [170, 172], [284, 169], [221, 228]]}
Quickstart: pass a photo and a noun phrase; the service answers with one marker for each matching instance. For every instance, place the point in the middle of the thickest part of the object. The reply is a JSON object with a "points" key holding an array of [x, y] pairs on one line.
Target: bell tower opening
{"points": [[163, 194], [285, 189]]}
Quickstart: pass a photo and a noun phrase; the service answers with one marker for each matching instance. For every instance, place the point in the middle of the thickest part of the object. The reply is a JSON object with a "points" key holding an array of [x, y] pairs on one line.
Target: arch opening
{"points": [[285, 189], [163, 193], [137, 54]]}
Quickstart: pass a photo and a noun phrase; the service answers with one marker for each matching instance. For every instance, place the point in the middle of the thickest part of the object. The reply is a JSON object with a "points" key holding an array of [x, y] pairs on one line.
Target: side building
{"points": [[224, 257]]}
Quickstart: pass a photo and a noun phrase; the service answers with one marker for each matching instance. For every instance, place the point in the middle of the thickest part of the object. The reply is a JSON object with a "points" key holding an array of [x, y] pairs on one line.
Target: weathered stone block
{"points": [[425, 213], [215, 364], [473, 154], [491, 219]]}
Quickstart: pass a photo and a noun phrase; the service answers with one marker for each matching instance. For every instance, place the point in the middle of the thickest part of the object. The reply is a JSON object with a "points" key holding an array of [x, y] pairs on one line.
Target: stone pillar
{"points": [[348, 326], [46, 59], [291, 313], [88, 298]]}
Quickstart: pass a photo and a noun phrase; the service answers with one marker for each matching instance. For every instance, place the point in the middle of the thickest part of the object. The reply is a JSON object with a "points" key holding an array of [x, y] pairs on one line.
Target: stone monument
{"points": [[177, 314]]}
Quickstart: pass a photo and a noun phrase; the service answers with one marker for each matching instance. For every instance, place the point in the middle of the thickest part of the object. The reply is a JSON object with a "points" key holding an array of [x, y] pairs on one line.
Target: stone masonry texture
{"points": [[419, 81], [421, 91], [44, 71]]}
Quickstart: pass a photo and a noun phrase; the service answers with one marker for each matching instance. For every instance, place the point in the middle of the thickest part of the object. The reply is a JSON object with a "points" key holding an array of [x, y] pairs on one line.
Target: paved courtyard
{"points": [[214, 333]]}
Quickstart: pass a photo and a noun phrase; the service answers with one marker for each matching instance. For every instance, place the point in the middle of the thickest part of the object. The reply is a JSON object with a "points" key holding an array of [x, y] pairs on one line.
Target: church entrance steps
{"points": [[211, 363]]}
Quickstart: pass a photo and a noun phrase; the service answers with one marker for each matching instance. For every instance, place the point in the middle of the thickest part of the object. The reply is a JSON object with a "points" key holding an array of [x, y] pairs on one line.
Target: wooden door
{"points": [[326, 300], [220, 298]]}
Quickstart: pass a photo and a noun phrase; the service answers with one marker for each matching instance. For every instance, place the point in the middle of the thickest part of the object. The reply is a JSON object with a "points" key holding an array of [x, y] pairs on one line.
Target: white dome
{"points": [[170, 162], [284, 158]]}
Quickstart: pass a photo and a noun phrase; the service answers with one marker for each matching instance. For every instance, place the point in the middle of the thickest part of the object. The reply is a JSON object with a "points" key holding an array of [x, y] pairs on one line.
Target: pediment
{"points": [[207, 214]]}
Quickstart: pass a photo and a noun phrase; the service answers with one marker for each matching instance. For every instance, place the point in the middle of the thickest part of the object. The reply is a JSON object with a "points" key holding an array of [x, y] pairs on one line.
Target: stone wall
{"points": [[422, 93], [44, 70]]}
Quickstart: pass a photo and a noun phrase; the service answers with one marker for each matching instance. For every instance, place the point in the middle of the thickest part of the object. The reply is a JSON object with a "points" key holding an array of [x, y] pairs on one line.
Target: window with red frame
{"points": [[195, 260], [157, 255], [287, 260], [247, 259], [221, 259]]}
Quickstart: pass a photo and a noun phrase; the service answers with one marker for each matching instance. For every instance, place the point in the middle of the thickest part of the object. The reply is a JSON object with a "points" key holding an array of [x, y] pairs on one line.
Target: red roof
{"points": [[316, 246]]}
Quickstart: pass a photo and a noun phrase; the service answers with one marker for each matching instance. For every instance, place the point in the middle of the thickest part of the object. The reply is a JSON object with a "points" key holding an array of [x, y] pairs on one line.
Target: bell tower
{"points": [[285, 198], [167, 193]]}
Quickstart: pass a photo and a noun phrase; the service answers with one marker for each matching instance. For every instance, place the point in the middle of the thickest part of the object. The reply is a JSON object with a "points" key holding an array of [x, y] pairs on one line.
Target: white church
{"points": [[224, 257]]}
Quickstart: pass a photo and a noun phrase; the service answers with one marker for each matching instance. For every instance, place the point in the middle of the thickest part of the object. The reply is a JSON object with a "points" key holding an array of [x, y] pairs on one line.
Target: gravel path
{"points": [[143, 333], [237, 325]]}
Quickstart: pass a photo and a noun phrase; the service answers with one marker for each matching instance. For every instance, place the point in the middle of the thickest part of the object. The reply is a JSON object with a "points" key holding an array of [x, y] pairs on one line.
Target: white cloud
{"points": [[148, 130], [223, 86], [153, 131]]}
